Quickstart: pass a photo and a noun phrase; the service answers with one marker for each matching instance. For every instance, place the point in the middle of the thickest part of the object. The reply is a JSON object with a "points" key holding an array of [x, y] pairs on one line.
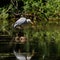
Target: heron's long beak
{"points": [[32, 23]]}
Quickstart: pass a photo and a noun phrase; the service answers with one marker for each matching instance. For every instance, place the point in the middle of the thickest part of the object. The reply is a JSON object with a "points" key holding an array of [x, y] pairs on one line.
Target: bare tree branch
{"points": [[15, 3]]}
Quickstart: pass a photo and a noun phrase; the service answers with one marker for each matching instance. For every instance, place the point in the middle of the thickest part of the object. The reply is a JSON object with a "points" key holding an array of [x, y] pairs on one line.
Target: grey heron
{"points": [[22, 22]]}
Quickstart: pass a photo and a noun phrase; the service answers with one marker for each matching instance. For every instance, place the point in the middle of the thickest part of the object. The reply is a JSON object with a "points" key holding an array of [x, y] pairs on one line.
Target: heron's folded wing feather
{"points": [[20, 21]]}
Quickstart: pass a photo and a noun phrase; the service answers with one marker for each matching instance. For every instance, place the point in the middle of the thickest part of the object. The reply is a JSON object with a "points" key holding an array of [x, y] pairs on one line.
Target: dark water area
{"points": [[4, 43]]}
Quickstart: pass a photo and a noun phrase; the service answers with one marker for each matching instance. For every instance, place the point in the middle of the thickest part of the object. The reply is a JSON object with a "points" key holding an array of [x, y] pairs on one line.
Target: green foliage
{"points": [[3, 20], [3, 14], [33, 6], [51, 8]]}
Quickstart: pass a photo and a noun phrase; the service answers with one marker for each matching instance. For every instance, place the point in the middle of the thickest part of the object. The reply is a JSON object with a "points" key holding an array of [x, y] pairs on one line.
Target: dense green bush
{"points": [[44, 42]]}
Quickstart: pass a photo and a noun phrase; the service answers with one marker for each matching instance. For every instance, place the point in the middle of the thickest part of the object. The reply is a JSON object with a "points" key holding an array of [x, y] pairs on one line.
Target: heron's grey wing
{"points": [[20, 22]]}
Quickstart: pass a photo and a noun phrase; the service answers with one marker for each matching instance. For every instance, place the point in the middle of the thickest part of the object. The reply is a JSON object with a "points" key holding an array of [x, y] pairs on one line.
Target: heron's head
{"points": [[32, 23], [28, 20]]}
